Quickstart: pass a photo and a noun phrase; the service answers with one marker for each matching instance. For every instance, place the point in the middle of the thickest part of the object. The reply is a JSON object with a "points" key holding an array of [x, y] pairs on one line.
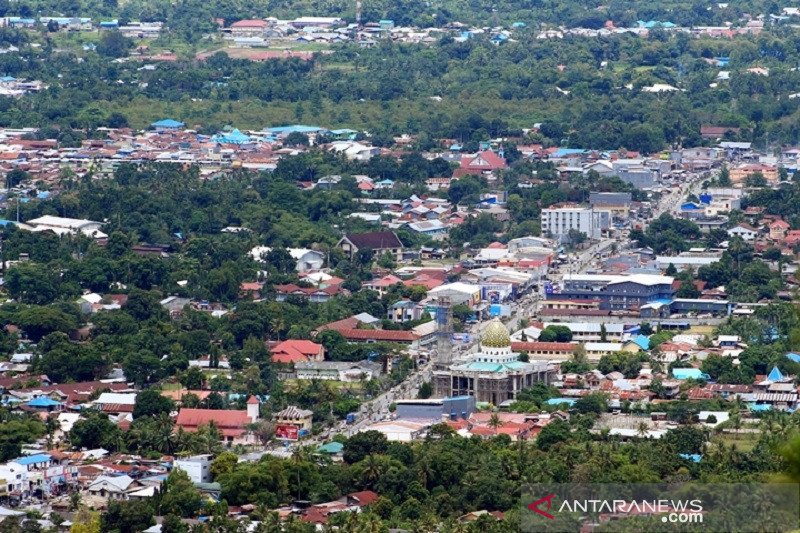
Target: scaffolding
{"points": [[444, 328]]}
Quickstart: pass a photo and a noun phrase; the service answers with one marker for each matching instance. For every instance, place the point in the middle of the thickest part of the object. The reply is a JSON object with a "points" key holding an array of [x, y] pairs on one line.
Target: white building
{"points": [[747, 233], [305, 258], [399, 430], [198, 467], [558, 221], [337, 370], [62, 226]]}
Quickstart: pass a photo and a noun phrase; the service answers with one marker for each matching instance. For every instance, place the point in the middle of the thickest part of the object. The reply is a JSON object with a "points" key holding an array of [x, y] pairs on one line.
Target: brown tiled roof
{"points": [[375, 240], [190, 419], [378, 335], [541, 346]]}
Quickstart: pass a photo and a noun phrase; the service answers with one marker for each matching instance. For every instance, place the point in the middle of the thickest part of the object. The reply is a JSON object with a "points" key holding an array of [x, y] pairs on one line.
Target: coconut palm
{"points": [[494, 422]]}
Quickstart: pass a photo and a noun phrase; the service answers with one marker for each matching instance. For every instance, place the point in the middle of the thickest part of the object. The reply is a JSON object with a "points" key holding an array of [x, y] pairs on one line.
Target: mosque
{"points": [[494, 374]]}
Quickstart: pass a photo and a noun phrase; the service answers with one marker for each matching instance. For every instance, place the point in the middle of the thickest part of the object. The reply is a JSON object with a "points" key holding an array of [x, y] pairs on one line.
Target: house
{"points": [[778, 229], [251, 289], [740, 173], [114, 487], [432, 228], [382, 284], [405, 311], [232, 424], [718, 132], [248, 28], [116, 402], [379, 242], [311, 293], [292, 423], [480, 163], [297, 351], [305, 259], [745, 231]]}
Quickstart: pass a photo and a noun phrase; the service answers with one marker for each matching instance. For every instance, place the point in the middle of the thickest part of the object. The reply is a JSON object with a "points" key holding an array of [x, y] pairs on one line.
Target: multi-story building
{"points": [[197, 467], [494, 374], [618, 203], [558, 221], [613, 291]]}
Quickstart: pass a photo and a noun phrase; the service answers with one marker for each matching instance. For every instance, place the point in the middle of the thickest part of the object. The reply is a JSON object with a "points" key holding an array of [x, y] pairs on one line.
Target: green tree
{"points": [[95, 431], [554, 333], [151, 402], [180, 497], [114, 44], [552, 434], [363, 444], [128, 516]]}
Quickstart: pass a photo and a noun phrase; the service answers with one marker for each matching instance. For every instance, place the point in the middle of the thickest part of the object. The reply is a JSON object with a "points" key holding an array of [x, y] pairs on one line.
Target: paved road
{"points": [[377, 408]]}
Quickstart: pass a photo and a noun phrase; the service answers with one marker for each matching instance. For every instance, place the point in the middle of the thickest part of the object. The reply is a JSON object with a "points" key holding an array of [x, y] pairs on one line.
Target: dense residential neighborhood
{"points": [[399, 266]]}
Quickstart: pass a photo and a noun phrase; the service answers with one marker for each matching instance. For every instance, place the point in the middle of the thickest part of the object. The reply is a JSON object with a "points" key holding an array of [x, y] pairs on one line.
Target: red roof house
{"points": [[297, 351], [486, 161], [232, 424]]}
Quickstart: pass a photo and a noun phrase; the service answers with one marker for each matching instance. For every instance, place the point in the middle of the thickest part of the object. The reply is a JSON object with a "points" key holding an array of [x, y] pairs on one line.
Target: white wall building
{"points": [[198, 467], [558, 221]]}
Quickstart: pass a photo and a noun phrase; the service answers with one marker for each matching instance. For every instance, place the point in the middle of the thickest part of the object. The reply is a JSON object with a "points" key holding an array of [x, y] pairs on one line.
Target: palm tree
{"points": [[494, 422], [374, 469], [735, 422], [642, 428]]}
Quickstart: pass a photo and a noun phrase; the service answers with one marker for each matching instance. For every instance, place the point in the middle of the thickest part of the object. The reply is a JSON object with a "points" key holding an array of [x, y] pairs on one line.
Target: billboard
{"points": [[287, 432]]}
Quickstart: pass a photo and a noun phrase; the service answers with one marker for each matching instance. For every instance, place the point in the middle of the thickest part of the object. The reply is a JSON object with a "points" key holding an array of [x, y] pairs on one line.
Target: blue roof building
{"points": [[231, 137], [564, 152], [296, 128], [775, 375], [167, 124], [641, 341], [793, 357], [27, 460], [689, 373], [561, 401], [43, 402], [693, 457]]}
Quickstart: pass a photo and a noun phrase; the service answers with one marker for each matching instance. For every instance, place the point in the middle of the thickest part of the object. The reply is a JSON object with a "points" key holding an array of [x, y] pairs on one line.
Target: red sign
{"points": [[286, 432], [535, 506]]}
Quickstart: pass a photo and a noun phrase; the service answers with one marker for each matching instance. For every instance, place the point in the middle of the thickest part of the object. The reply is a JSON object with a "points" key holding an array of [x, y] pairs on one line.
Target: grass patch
{"points": [[744, 442]]}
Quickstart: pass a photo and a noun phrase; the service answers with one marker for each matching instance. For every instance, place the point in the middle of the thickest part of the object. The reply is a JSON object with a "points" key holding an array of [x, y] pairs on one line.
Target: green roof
{"points": [[331, 448]]}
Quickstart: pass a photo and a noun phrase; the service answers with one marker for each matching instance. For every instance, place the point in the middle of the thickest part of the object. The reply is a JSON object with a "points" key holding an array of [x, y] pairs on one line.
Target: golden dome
{"points": [[496, 335]]}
